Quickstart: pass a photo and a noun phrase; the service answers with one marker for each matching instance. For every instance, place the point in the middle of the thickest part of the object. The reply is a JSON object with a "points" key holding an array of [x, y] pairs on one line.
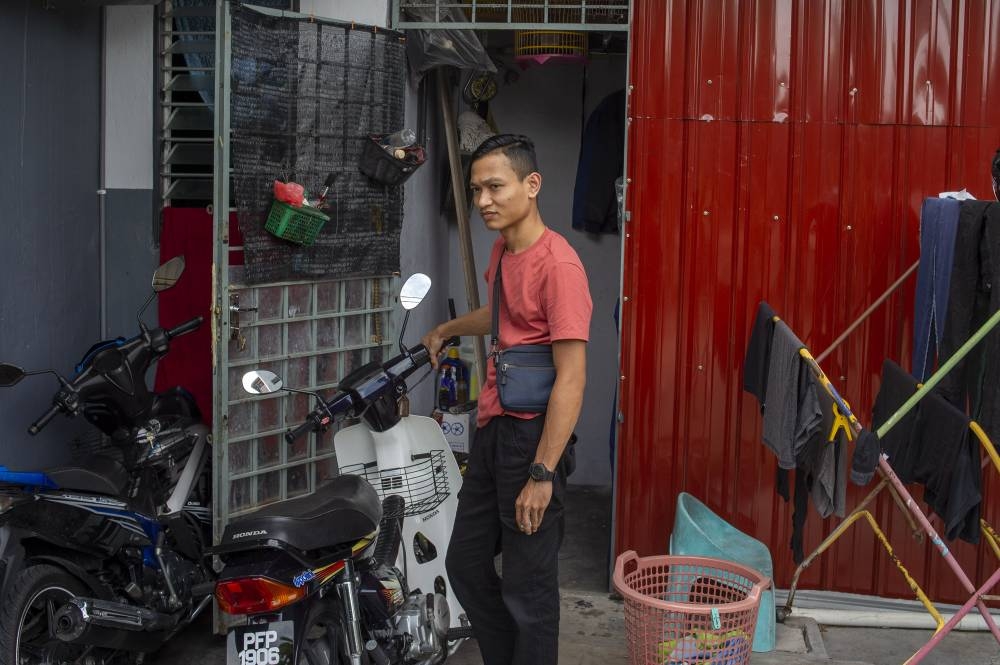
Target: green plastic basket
{"points": [[298, 225]]}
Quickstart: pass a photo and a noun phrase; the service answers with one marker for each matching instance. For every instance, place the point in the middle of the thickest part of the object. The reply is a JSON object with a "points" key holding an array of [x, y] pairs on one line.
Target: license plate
{"points": [[261, 644]]}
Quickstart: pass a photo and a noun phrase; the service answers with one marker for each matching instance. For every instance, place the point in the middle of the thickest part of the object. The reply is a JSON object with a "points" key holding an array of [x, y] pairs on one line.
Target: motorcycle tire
{"points": [[36, 593], [324, 640]]}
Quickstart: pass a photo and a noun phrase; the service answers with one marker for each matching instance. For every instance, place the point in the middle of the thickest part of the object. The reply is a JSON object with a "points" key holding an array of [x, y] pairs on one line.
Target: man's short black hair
{"points": [[520, 150]]}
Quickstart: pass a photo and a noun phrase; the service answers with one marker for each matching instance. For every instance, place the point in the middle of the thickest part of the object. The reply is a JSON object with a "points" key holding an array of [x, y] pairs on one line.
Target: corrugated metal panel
{"points": [[780, 150]]}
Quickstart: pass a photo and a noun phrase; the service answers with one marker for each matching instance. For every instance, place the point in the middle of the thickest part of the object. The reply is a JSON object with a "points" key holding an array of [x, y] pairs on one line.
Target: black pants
{"points": [[515, 619]]}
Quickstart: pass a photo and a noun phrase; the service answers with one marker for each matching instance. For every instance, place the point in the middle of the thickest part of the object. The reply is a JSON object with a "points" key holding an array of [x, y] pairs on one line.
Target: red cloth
{"points": [[545, 298], [188, 232]]}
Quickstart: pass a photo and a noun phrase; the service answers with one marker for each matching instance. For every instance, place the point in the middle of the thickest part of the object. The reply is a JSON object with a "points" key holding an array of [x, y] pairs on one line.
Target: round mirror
{"points": [[10, 374], [414, 289], [168, 274], [261, 382]]}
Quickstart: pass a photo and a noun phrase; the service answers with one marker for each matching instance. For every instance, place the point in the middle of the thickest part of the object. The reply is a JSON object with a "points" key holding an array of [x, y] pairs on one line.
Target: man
{"points": [[512, 495]]}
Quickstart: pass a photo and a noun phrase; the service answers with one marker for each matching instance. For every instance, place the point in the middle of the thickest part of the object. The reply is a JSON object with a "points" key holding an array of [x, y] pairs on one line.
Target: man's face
{"points": [[502, 198]]}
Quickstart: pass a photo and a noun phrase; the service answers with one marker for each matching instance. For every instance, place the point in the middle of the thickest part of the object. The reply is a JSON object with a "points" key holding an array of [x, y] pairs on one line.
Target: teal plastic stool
{"points": [[700, 532]]}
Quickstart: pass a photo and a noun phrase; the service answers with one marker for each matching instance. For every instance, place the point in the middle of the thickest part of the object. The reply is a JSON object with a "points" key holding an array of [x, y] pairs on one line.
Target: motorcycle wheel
{"points": [[25, 637], [324, 642]]}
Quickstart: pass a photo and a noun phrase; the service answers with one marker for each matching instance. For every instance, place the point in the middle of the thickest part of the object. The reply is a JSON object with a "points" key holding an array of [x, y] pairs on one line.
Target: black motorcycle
{"points": [[104, 561]]}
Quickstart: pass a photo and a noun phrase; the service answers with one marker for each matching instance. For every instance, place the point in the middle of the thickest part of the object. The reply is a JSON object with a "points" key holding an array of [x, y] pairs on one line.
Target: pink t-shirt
{"points": [[545, 298]]}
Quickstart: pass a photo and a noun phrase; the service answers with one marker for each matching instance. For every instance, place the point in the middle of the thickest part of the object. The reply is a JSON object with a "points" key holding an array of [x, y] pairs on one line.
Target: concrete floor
{"points": [[593, 632]]}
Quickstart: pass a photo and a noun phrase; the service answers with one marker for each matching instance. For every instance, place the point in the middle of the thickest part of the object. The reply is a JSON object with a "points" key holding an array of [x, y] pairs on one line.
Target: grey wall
{"points": [[50, 65], [545, 104], [127, 179], [424, 243]]}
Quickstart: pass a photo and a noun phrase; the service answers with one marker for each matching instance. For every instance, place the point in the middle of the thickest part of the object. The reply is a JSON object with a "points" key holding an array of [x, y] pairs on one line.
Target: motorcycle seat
{"points": [[101, 475], [343, 510]]}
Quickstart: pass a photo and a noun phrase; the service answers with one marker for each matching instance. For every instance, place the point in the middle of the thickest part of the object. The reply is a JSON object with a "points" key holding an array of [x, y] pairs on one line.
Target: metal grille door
{"points": [[311, 335]]}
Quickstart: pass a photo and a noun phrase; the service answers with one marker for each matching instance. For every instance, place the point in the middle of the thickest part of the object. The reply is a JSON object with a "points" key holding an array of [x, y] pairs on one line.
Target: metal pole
{"points": [[220, 279], [959, 615], [868, 312], [938, 375], [461, 213]]}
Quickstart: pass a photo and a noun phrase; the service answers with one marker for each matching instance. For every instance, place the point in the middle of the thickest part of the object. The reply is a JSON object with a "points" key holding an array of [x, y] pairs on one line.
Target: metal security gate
{"points": [[309, 333]]}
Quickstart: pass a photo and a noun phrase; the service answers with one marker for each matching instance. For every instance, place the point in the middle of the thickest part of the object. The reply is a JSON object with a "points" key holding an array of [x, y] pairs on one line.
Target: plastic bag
{"points": [[427, 49], [291, 193], [472, 130]]}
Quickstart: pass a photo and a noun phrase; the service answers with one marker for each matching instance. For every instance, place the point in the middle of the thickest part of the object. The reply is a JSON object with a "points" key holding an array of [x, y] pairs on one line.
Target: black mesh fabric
{"points": [[305, 95]]}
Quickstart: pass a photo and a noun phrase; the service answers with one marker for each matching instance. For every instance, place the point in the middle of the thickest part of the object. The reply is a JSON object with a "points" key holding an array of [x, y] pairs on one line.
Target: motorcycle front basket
{"points": [[423, 485]]}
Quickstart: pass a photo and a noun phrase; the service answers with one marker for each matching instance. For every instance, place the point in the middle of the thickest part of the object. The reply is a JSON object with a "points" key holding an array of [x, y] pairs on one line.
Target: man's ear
{"points": [[534, 183]]}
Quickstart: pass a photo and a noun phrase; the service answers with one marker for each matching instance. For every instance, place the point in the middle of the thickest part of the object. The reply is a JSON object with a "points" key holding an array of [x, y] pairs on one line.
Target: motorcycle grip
{"points": [[303, 429], [39, 424], [185, 327]]}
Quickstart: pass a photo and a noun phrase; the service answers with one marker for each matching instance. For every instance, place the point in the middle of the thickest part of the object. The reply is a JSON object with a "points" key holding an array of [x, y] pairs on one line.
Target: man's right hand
{"points": [[434, 343], [476, 322]]}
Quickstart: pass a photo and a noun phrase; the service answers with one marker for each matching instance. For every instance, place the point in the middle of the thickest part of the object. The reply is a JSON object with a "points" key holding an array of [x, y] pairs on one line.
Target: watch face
{"points": [[539, 472]]}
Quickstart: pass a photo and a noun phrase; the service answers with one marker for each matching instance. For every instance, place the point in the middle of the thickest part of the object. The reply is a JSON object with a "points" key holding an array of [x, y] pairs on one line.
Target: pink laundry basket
{"points": [[682, 610]]}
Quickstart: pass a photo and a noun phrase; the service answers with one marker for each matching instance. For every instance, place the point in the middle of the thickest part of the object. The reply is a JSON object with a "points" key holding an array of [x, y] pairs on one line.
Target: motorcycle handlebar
{"points": [[39, 424], [303, 429], [68, 397], [185, 327], [327, 412], [396, 370]]}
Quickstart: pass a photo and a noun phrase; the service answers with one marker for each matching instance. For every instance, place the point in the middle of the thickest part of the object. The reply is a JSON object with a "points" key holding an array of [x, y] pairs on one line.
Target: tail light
{"points": [[255, 595]]}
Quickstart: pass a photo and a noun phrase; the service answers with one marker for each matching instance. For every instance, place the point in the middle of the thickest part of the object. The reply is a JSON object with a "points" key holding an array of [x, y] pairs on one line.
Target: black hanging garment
{"points": [[897, 386], [791, 412], [947, 462], [602, 161], [821, 467], [759, 353], [968, 306], [988, 411], [865, 459]]}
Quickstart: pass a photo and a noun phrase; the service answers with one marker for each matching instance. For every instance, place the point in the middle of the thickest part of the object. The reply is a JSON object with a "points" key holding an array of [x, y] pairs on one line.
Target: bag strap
{"points": [[495, 310]]}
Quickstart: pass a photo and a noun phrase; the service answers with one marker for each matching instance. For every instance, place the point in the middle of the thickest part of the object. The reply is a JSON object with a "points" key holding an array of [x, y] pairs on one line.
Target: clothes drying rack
{"points": [[910, 505]]}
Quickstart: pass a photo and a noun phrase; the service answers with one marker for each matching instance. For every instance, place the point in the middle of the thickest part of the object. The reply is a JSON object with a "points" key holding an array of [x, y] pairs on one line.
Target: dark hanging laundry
{"points": [[758, 356], [947, 463], [897, 386], [821, 468], [865, 459], [824, 457], [988, 412], [968, 305], [938, 224], [791, 414], [799, 515], [602, 160]]}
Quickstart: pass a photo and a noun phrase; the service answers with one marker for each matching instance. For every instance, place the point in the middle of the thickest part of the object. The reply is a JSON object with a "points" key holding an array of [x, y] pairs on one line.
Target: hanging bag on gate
{"points": [[525, 373]]}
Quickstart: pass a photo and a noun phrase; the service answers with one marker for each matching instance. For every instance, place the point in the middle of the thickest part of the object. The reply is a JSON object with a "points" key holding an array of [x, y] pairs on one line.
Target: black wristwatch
{"points": [[540, 473]]}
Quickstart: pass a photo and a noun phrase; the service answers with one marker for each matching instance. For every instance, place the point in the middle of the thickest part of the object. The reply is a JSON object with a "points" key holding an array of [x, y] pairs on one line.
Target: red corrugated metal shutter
{"points": [[780, 150]]}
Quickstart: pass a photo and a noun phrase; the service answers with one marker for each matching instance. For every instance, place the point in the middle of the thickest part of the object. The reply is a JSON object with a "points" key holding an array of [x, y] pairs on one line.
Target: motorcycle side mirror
{"points": [[414, 289], [410, 295], [168, 274], [10, 375], [261, 382], [164, 278]]}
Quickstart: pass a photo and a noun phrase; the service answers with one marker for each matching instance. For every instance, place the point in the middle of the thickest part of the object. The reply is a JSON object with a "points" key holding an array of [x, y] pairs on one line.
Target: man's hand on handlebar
{"points": [[435, 342]]}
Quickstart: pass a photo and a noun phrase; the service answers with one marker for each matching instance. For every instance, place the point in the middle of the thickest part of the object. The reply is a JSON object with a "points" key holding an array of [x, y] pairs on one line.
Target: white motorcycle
{"points": [[355, 572]]}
